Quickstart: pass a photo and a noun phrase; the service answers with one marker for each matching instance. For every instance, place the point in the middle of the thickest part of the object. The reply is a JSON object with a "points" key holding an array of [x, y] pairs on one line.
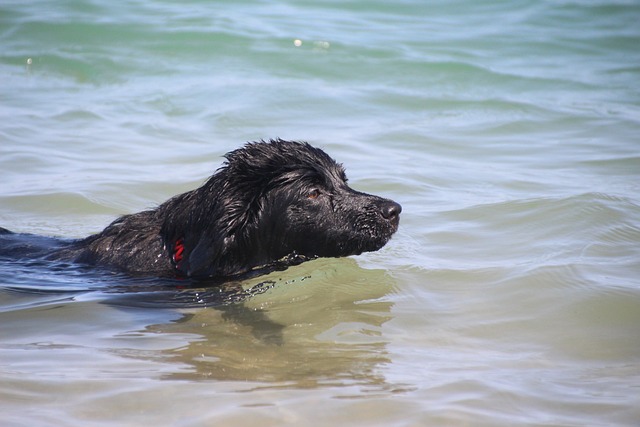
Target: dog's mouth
{"points": [[379, 241], [374, 230], [370, 239]]}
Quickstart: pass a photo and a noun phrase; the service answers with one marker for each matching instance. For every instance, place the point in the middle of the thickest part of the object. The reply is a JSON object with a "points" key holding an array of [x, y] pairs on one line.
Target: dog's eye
{"points": [[313, 194]]}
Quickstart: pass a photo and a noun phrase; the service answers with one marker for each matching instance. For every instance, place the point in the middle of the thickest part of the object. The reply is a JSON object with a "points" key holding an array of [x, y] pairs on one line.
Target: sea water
{"points": [[508, 130]]}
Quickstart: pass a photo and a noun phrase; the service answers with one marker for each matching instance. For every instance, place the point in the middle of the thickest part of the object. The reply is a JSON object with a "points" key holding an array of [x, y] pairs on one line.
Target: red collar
{"points": [[178, 251]]}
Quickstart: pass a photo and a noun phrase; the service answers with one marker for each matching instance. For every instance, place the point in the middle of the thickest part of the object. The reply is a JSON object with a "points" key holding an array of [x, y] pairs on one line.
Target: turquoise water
{"points": [[508, 130]]}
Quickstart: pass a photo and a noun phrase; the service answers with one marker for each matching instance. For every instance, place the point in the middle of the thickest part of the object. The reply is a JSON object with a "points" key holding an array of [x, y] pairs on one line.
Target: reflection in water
{"points": [[320, 324], [316, 324]]}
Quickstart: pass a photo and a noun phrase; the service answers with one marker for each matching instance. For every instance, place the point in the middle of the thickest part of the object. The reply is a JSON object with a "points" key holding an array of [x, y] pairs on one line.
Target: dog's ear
{"points": [[214, 224], [215, 252], [203, 259], [194, 252]]}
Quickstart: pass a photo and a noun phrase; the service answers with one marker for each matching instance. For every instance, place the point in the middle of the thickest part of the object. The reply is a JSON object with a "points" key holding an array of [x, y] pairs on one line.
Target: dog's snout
{"points": [[391, 210]]}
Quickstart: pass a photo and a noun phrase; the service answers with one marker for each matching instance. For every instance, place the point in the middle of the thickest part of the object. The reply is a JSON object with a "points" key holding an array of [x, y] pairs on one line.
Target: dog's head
{"points": [[275, 198]]}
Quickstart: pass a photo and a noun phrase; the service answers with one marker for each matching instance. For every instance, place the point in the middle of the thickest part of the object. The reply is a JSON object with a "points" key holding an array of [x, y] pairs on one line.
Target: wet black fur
{"points": [[268, 201]]}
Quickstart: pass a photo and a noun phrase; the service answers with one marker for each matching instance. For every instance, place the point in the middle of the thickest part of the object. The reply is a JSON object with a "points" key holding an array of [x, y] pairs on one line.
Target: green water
{"points": [[508, 130]]}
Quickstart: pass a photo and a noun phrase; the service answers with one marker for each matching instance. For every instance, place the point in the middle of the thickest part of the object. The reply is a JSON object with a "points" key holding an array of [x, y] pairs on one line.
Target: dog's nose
{"points": [[391, 210]]}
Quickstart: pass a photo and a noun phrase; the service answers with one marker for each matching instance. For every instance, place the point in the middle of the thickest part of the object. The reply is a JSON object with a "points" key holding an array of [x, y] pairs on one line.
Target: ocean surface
{"points": [[508, 130]]}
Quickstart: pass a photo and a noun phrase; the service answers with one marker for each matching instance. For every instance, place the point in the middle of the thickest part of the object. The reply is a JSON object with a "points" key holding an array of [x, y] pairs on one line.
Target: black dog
{"points": [[269, 201]]}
